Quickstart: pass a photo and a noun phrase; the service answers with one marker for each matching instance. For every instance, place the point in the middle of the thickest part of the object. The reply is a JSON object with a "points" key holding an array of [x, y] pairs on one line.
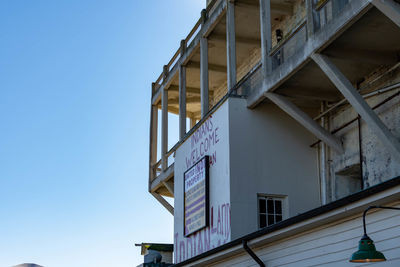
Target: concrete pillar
{"points": [[357, 101], [266, 36], [230, 44], [182, 95], [310, 17], [153, 138], [390, 8], [164, 125], [204, 69]]}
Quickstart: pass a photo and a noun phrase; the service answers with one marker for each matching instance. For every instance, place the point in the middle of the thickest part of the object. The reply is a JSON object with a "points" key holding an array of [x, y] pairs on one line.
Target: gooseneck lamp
{"points": [[366, 249]]}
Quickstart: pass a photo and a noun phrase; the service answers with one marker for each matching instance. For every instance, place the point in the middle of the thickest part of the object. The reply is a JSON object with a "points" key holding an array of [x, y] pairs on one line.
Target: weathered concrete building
{"points": [[289, 129]]}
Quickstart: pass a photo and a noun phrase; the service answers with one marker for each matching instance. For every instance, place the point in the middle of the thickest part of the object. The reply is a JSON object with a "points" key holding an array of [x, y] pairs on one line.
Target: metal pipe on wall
{"points": [[323, 162]]}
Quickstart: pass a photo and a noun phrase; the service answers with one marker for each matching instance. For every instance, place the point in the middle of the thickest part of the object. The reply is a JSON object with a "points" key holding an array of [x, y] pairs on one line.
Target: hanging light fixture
{"points": [[366, 249]]}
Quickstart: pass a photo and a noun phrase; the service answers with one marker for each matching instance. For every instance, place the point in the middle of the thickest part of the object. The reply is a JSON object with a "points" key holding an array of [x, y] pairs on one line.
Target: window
{"points": [[270, 210]]}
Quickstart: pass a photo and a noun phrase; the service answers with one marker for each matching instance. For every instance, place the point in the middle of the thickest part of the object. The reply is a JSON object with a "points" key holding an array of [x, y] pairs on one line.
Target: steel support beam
{"points": [[359, 104], [164, 203], [204, 69], [390, 8], [230, 44], [301, 117]]}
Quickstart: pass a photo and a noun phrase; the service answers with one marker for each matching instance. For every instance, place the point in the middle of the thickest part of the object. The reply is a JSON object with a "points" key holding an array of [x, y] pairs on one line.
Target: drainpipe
{"points": [[323, 161], [252, 254]]}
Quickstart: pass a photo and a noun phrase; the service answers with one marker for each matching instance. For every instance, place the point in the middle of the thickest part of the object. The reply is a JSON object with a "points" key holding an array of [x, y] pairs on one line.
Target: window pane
{"points": [[261, 205], [278, 218], [270, 219], [263, 222], [278, 207], [270, 206]]}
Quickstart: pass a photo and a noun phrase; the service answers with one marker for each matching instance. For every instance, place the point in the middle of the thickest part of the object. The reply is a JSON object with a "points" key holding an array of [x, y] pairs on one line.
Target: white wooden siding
{"points": [[330, 245]]}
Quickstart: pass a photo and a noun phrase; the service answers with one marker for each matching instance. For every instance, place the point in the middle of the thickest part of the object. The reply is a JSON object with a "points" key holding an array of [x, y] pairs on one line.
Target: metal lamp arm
{"points": [[374, 207]]}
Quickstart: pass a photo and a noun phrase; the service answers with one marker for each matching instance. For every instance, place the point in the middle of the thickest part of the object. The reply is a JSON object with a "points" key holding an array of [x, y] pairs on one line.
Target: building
{"points": [[156, 255], [289, 129]]}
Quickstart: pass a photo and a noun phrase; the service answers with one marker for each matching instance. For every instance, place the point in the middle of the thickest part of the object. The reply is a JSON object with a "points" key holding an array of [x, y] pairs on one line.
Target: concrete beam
{"points": [[390, 8], [362, 55], [215, 37], [310, 17], [162, 177], [164, 203], [174, 110], [211, 67], [189, 100], [189, 90], [307, 94], [204, 82], [277, 8], [353, 11], [205, 30], [182, 95], [153, 141], [359, 104], [170, 186], [230, 45], [164, 130], [266, 36], [301, 117]]}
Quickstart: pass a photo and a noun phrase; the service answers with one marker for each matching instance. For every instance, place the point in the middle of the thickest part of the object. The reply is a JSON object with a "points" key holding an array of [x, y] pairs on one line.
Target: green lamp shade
{"points": [[367, 252]]}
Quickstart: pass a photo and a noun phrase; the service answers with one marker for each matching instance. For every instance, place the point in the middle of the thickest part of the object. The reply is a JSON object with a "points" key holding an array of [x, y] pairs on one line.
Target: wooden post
{"points": [[164, 125], [359, 104], [230, 44], [153, 138], [204, 69], [266, 36], [182, 95]]}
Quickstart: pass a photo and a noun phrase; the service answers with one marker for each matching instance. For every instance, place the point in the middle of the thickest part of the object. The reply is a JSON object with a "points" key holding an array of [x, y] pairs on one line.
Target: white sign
{"points": [[196, 197]]}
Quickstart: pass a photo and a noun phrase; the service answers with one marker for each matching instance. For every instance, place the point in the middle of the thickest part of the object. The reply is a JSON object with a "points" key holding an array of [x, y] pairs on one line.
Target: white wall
{"points": [[212, 139], [270, 154]]}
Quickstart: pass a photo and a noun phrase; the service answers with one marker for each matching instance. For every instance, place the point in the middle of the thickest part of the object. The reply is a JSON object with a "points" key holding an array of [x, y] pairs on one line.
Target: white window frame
{"points": [[285, 207]]}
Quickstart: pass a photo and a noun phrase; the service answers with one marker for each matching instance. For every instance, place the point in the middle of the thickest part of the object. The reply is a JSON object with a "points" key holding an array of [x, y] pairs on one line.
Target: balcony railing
{"points": [[326, 11]]}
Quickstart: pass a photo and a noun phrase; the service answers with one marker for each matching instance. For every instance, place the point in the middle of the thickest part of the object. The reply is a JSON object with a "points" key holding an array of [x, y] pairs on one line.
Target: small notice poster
{"points": [[196, 197]]}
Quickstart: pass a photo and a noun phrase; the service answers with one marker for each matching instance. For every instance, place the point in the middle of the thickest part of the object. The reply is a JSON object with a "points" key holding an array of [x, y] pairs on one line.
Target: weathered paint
{"points": [[210, 139]]}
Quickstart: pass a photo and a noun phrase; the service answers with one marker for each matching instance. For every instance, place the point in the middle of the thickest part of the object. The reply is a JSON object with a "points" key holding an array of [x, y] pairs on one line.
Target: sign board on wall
{"points": [[208, 143], [196, 197]]}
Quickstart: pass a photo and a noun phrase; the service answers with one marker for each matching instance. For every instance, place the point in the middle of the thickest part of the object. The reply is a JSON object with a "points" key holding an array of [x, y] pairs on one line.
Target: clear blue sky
{"points": [[75, 79]]}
